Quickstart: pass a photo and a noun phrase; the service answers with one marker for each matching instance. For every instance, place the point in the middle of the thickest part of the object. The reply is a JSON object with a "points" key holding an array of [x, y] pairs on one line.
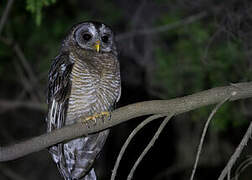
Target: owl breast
{"points": [[95, 86]]}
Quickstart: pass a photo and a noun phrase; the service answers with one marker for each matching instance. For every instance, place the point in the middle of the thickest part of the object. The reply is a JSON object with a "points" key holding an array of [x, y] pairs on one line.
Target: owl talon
{"points": [[90, 120], [105, 114], [87, 121]]}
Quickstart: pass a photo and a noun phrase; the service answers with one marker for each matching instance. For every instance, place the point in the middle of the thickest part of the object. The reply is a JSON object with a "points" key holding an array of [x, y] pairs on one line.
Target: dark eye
{"points": [[86, 37], [105, 39]]}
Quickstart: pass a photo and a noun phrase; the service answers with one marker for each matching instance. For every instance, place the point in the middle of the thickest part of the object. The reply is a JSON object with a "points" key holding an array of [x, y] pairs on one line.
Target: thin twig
{"points": [[125, 145], [151, 143], [8, 105], [237, 153], [27, 67], [24, 62], [242, 167], [135, 18], [204, 134], [5, 15], [214, 36], [20, 54], [24, 81], [33, 80], [163, 28]]}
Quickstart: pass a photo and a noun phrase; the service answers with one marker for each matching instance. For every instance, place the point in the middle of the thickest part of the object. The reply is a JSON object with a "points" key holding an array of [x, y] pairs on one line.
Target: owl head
{"points": [[92, 36]]}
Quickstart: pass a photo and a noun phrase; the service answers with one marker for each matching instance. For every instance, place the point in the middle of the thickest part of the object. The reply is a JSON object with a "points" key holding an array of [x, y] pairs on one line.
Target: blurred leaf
{"points": [[35, 7]]}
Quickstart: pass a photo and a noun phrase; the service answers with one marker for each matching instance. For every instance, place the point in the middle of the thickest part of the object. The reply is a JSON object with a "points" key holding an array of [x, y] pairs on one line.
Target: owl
{"points": [[84, 81]]}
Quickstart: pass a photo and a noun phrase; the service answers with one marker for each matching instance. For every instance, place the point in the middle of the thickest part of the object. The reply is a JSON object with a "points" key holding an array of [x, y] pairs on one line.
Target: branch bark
{"points": [[120, 115]]}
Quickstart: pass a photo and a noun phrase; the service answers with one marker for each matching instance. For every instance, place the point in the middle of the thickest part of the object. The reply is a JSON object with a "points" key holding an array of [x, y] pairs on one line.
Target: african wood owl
{"points": [[84, 81]]}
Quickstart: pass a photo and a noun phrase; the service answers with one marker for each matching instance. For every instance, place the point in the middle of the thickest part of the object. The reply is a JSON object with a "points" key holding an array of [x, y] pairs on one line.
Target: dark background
{"points": [[168, 49]]}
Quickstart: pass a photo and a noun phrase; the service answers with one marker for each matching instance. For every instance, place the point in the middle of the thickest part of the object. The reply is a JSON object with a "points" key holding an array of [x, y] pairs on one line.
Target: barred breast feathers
{"points": [[95, 86]]}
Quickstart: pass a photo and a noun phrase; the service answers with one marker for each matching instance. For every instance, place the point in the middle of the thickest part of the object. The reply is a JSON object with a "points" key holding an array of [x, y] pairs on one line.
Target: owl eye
{"points": [[86, 37], [105, 39]]}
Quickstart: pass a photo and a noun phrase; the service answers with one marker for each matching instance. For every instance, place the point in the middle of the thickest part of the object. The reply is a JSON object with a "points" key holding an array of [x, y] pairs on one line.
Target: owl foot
{"points": [[105, 115], [88, 120]]}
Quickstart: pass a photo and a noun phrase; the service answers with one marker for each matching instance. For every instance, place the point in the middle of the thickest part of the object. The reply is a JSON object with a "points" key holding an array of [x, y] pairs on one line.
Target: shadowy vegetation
{"points": [[168, 48]]}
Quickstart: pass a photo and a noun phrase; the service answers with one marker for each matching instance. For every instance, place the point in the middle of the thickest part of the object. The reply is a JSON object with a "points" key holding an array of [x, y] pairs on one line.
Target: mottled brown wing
{"points": [[59, 88], [59, 78]]}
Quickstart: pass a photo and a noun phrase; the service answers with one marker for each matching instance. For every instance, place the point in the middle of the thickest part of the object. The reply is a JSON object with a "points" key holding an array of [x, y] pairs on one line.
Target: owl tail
{"points": [[90, 176]]}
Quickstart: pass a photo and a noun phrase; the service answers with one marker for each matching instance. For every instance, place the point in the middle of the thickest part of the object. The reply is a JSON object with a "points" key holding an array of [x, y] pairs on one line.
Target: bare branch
{"points": [[237, 153], [242, 167], [33, 80], [206, 51], [25, 63], [163, 28], [24, 81], [151, 143], [204, 134], [20, 55], [120, 115], [5, 15], [125, 145], [7, 104]]}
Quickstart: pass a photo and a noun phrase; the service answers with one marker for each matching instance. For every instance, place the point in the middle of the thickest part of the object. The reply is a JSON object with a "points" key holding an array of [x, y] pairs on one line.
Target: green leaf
{"points": [[35, 7]]}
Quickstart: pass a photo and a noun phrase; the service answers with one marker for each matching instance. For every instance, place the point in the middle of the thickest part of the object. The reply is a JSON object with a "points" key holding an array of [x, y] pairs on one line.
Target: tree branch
{"points": [[226, 171], [243, 166], [120, 115], [204, 135], [131, 136], [150, 144], [32, 79], [9, 105], [5, 15], [162, 28]]}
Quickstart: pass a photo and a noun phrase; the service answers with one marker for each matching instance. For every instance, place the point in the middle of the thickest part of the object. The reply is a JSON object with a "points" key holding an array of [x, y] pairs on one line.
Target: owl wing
{"points": [[59, 88]]}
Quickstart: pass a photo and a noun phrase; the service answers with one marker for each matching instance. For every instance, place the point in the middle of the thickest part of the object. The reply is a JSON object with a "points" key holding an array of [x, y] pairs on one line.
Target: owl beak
{"points": [[97, 46]]}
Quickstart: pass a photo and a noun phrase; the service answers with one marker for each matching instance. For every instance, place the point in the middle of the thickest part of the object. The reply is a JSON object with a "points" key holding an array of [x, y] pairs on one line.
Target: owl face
{"points": [[94, 36]]}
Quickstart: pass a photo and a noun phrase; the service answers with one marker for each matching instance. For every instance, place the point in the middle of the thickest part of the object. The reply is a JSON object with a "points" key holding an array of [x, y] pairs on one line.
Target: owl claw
{"points": [[105, 114], [88, 120]]}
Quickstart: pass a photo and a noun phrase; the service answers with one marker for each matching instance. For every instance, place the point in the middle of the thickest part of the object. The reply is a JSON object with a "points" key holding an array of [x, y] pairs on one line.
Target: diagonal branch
{"points": [[234, 157], [5, 15], [204, 134], [9, 105], [120, 115], [125, 145], [244, 165], [151, 143], [32, 79], [162, 28]]}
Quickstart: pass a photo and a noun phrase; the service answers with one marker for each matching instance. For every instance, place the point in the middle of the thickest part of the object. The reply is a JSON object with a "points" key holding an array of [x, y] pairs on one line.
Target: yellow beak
{"points": [[97, 46]]}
